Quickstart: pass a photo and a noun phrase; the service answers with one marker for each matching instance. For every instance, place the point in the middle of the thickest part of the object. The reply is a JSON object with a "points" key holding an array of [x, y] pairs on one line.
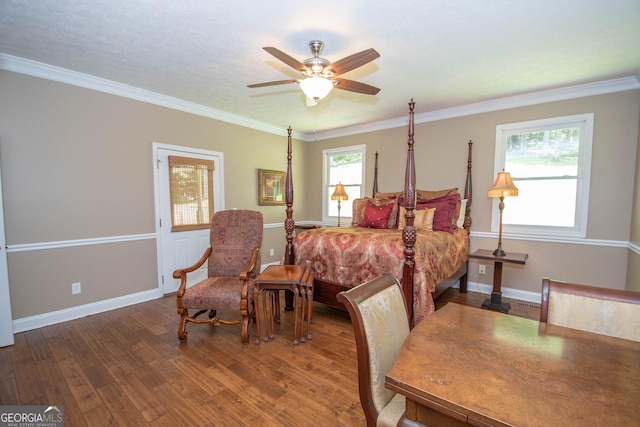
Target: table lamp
{"points": [[502, 187], [339, 194]]}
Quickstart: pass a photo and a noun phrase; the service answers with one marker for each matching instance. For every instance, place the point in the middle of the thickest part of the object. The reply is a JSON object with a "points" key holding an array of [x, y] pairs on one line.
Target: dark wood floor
{"points": [[126, 367]]}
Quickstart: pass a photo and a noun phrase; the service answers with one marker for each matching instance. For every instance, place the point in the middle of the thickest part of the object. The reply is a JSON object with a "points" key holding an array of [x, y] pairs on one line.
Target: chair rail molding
{"points": [[27, 247]]}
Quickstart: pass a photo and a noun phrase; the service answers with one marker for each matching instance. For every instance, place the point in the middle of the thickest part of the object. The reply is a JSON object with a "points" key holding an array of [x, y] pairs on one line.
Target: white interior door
{"points": [[6, 319], [183, 248]]}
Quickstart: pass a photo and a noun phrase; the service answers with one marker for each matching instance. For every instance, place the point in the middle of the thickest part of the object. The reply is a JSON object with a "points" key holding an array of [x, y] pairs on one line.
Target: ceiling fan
{"points": [[320, 75]]}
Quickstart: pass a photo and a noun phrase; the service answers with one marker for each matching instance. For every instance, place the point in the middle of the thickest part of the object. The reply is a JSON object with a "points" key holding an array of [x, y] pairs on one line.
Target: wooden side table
{"points": [[495, 302], [295, 278]]}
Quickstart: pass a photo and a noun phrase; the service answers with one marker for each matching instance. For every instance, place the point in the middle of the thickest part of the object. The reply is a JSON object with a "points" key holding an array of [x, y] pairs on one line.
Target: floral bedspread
{"points": [[354, 255]]}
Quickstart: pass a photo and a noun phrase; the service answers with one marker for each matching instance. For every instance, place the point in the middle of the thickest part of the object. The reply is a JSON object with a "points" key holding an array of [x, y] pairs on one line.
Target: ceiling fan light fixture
{"points": [[316, 87]]}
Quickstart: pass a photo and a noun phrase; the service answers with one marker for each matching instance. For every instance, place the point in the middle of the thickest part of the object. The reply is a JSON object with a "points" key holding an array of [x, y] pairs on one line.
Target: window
{"points": [[549, 161], [344, 165], [191, 190]]}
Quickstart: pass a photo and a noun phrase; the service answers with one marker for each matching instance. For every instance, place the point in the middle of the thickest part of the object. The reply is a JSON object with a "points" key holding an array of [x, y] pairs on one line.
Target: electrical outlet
{"points": [[482, 269], [271, 252], [76, 288]]}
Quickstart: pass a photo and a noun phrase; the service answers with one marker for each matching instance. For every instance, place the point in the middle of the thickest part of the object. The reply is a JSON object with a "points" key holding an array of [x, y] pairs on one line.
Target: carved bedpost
{"points": [[375, 177], [409, 232], [468, 192], [289, 223]]}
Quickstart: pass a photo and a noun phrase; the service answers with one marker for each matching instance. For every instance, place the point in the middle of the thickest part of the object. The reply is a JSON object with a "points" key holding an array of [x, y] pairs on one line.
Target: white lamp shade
{"points": [[316, 88]]}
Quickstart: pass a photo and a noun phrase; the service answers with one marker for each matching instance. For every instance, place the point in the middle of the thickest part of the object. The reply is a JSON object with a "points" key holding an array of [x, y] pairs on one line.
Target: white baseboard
{"points": [[46, 319], [264, 266], [518, 294]]}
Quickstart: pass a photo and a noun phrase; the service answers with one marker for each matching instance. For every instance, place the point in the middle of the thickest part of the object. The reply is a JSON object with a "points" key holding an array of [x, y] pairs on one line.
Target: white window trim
{"points": [[325, 176], [585, 123]]}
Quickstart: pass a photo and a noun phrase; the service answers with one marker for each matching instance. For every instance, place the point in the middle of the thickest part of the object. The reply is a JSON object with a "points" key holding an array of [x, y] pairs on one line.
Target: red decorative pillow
{"points": [[445, 215], [376, 216]]}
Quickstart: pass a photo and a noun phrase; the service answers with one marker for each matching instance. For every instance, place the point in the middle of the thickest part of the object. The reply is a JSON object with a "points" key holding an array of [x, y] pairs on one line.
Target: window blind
{"points": [[191, 193]]}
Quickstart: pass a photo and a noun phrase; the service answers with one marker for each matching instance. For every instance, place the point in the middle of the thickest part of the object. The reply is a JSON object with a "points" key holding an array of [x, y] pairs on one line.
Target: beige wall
{"points": [[77, 164], [441, 148], [633, 269]]}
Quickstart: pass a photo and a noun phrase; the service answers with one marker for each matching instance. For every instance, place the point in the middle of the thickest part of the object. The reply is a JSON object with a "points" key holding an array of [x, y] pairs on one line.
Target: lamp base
{"points": [[499, 251], [496, 304]]}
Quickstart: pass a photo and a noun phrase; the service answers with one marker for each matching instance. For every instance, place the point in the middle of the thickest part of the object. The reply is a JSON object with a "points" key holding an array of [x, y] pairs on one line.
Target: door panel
{"points": [[181, 249]]}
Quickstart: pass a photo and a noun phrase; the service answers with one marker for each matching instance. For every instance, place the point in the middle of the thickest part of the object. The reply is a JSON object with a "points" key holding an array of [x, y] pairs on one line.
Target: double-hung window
{"points": [[346, 166], [550, 162]]}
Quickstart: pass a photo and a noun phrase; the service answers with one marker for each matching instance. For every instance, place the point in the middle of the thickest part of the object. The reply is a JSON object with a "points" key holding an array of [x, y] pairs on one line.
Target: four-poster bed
{"points": [[421, 237]]}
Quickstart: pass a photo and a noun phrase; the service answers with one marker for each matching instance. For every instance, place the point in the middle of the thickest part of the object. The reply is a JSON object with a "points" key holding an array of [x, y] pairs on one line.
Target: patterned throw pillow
{"points": [[423, 220], [376, 216]]}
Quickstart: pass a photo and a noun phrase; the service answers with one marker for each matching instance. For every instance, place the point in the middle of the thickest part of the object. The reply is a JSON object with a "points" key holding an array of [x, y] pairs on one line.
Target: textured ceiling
{"points": [[441, 53]]}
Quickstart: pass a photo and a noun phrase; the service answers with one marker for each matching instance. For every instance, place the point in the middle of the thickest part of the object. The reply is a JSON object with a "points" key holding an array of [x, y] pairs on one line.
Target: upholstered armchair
{"points": [[234, 261], [380, 321]]}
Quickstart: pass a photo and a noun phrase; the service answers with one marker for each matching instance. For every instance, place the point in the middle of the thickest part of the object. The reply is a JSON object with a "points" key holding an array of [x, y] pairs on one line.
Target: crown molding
{"points": [[534, 98], [62, 75]]}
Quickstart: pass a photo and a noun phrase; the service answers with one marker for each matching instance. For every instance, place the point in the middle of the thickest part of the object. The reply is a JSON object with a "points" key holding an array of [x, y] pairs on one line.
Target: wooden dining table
{"points": [[468, 366]]}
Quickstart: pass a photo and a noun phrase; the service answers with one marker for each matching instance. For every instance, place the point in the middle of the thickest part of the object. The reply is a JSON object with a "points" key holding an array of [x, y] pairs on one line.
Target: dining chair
{"points": [[380, 321], [588, 308], [233, 263]]}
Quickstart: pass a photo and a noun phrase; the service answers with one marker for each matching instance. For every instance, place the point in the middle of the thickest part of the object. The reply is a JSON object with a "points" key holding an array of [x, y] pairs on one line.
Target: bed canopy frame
{"points": [[408, 233]]}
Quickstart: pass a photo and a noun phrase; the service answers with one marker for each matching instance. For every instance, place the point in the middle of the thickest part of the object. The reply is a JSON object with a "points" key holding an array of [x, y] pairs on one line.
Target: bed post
{"points": [[289, 223], [375, 177], [468, 192], [409, 232]]}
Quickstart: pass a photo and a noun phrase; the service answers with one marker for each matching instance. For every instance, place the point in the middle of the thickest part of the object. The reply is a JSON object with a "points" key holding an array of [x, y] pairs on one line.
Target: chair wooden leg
{"points": [[182, 333], [244, 335]]}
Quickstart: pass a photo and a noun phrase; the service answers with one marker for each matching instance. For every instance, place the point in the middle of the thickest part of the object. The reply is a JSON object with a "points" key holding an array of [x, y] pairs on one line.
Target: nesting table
{"points": [[267, 286]]}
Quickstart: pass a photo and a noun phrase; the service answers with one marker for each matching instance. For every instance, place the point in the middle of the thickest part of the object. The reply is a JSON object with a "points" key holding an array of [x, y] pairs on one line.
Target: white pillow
{"points": [[463, 210]]}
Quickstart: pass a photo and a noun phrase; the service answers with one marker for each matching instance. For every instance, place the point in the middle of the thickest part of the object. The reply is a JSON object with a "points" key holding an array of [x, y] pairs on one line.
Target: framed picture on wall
{"points": [[270, 188]]}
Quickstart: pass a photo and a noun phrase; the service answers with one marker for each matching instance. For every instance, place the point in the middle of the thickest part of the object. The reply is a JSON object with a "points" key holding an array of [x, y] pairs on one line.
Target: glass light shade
{"points": [[316, 87], [503, 186], [339, 193]]}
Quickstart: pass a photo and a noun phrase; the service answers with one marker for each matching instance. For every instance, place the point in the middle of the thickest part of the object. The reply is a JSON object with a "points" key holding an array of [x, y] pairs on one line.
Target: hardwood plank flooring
{"points": [[127, 367]]}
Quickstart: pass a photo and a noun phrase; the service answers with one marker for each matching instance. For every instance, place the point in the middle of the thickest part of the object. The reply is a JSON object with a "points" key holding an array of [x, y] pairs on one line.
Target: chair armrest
{"points": [[179, 273], [182, 273], [244, 274]]}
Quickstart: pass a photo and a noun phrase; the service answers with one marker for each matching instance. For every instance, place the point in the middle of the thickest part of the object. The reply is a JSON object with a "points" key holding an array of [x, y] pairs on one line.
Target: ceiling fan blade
{"points": [[291, 62], [279, 82], [353, 61], [354, 86]]}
